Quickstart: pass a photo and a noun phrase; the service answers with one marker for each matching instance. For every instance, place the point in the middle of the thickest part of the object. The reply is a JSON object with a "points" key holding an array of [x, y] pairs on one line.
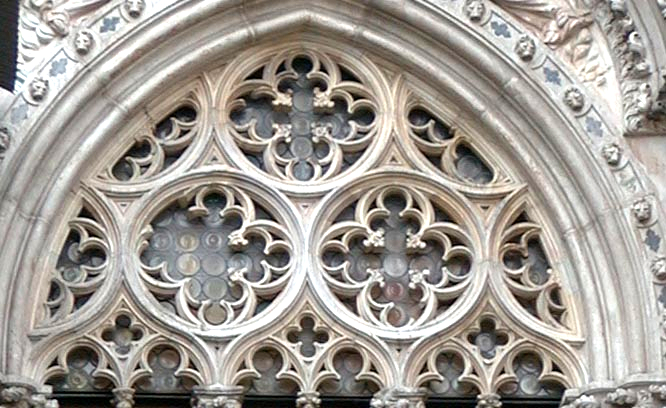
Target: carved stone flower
{"points": [[414, 241], [321, 131], [322, 100], [402, 403], [282, 131], [612, 153], [308, 400], [618, 6], [232, 403], [216, 402], [236, 274], [13, 394], [659, 391], [123, 398], [417, 277], [635, 43], [376, 403], [237, 239], [225, 402], [525, 47], [643, 99], [40, 401], [396, 398], [283, 100], [642, 69], [375, 239], [574, 98], [20, 396], [58, 21], [51, 403], [585, 401]]}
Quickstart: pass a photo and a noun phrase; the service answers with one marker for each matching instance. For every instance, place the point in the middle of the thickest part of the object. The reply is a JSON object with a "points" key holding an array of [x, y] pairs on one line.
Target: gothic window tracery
{"points": [[348, 239]]}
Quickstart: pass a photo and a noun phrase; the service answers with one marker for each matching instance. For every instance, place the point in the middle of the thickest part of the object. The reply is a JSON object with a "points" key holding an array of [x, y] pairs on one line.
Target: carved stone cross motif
{"points": [[304, 120]]}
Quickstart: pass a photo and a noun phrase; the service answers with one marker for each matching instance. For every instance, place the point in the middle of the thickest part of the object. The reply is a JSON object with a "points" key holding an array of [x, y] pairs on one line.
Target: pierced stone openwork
{"points": [[81, 268], [303, 117], [81, 369], [293, 223], [447, 149], [157, 146], [123, 334], [215, 256], [528, 273], [450, 368], [491, 360], [165, 370], [532, 375], [396, 257], [309, 359]]}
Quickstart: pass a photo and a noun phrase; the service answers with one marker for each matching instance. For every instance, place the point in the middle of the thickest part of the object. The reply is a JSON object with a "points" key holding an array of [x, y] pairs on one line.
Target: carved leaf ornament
{"points": [[288, 238]]}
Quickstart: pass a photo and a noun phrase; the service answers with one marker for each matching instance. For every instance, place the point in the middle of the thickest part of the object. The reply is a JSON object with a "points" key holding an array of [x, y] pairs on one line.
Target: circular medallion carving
{"points": [[396, 254], [214, 255], [304, 117]]}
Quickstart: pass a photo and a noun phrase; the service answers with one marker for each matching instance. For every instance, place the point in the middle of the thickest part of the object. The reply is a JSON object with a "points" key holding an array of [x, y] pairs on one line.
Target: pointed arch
{"points": [[542, 129]]}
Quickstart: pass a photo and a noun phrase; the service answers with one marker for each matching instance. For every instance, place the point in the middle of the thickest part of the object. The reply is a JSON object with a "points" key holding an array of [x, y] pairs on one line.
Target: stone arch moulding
{"points": [[561, 142]]}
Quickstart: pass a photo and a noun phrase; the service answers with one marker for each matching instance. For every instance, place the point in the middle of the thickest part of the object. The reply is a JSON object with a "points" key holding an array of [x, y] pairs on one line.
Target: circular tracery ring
{"points": [[215, 253], [303, 117], [396, 255]]}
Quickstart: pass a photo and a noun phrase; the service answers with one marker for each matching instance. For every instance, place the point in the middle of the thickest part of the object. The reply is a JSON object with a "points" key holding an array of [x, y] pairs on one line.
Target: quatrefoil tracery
{"points": [[302, 117], [397, 254], [123, 334], [215, 256], [529, 275], [396, 257]]}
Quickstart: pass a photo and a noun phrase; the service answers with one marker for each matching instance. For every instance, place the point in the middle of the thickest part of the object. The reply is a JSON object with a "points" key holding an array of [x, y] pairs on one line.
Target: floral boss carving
{"points": [[396, 257], [302, 117], [215, 257]]}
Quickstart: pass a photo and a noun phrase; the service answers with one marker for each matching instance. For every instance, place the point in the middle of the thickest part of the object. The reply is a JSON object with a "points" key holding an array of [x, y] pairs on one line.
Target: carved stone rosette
{"points": [[401, 257], [303, 117], [214, 255]]}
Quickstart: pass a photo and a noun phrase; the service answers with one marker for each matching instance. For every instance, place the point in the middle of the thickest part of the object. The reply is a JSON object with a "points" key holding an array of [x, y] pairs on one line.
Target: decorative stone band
{"points": [[18, 393], [646, 394], [399, 397], [217, 396], [644, 106]]}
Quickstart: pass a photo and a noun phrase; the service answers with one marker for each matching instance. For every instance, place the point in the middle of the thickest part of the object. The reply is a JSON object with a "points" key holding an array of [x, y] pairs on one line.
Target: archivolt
{"points": [[453, 62]]}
